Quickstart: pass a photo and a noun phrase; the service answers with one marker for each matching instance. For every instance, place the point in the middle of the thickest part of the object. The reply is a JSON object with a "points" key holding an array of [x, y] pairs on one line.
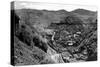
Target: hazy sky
{"points": [[49, 6]]}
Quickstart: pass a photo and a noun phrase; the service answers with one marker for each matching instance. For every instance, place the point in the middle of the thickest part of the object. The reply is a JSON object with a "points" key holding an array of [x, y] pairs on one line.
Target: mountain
{"points": [[84, 12]]}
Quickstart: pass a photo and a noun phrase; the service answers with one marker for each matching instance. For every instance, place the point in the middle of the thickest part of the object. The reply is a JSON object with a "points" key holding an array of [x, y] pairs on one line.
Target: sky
{"points": [[51, 6]]}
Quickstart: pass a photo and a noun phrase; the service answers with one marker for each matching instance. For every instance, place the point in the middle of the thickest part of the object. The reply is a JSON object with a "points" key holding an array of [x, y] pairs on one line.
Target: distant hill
{"points": [[84, 12]]}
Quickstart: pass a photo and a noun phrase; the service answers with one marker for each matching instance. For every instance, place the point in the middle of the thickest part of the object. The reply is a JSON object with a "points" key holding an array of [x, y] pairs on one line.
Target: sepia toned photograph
{"points": [[49, 33]]}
